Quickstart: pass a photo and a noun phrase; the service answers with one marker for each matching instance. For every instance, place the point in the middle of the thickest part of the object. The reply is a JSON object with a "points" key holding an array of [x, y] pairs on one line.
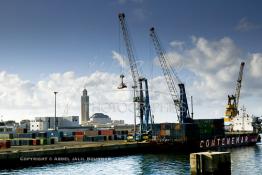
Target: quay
{"points": [[67, 152]]}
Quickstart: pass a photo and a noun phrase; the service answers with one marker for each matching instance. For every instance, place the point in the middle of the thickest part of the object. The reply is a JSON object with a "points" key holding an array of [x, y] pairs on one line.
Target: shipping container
{"points": [[21, 130], [41, 134], [25, 135], [79, 138], [5, 144], [106, 132], [90, 133], [52, 134], [6, 136], [78, 133], [43, 141], [67, 138]]}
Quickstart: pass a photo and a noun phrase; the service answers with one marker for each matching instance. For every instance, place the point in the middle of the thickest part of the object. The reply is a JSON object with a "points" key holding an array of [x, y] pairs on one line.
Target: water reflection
{"points": [[246, 160]]}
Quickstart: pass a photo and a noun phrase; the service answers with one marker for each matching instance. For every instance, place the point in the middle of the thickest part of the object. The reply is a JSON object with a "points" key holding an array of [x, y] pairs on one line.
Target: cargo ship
{"points": [[202, 134]]}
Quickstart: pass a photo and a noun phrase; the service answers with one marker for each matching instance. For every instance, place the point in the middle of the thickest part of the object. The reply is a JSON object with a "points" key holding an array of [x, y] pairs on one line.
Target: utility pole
{"points": [[55, 111]]}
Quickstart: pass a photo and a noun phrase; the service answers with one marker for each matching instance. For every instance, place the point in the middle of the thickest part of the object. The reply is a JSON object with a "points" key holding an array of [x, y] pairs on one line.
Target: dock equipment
{"points": [[141, 94], [233, 100], [179, 98]]}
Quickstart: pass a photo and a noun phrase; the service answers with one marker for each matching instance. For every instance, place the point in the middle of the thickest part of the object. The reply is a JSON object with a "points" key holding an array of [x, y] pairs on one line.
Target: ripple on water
{"points": [[246, 160]]}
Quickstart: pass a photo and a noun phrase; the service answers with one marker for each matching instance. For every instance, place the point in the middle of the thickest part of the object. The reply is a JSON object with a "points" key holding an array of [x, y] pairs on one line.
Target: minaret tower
{"points": [[84, 107]]}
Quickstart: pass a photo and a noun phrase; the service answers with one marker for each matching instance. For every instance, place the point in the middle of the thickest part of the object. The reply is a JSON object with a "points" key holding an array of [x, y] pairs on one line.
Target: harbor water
{"points": [[245, 160]]}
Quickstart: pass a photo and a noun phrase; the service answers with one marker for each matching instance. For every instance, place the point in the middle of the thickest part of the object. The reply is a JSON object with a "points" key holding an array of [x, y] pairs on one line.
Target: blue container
{"points": [[52, 134], [25, 135]]}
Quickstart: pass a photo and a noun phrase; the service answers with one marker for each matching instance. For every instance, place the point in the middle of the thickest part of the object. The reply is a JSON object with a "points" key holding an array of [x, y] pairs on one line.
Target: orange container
{"points": [[79, 138], [162, 133]]}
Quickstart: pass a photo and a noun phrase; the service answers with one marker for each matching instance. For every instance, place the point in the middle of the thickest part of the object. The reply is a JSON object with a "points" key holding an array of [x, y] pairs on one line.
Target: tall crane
{"points": [[179, 98], [139, 92], [233, 100]]}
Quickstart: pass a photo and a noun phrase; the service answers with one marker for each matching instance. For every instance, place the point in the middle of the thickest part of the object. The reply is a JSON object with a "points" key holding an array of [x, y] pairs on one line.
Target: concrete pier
{"points": [[210, 163], [67, 152]]}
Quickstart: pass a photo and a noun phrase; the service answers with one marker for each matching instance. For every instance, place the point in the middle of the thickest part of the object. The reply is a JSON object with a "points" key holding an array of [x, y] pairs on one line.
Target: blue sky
{"points": [[43, 37]]}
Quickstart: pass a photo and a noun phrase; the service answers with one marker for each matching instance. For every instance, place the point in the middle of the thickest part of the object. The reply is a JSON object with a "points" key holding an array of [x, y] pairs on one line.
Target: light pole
{"points": [[55, 111]]}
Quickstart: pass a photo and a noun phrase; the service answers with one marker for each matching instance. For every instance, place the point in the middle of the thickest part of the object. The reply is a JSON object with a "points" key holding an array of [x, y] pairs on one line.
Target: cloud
{"points": [[177, 44], [210, 71], [122, 61], [21, 99], [256, 65], [245, 25]]}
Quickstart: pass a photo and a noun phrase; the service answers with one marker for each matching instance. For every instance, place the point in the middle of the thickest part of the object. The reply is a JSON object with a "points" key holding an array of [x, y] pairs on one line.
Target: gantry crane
{"points": [[179, 98], [141, 96], [233, 100]]}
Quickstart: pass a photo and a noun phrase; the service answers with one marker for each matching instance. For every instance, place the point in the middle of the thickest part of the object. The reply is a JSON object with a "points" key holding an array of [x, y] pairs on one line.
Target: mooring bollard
{"points": [[210, 163]]}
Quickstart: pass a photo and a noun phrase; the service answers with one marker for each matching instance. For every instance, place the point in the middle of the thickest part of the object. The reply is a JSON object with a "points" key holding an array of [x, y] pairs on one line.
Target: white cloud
{"points": [[177, 44], [245, 25], [122, 61], [256, 65], [212, 68], [215, 67]]}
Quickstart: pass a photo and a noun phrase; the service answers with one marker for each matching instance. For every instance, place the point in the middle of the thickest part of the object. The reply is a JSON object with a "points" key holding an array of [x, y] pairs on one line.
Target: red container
{"points": [[5, 144], [78, 133], [106, 132]]}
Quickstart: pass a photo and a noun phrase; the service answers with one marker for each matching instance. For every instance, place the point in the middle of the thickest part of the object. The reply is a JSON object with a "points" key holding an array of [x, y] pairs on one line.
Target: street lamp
{"points": [[55, 111]]}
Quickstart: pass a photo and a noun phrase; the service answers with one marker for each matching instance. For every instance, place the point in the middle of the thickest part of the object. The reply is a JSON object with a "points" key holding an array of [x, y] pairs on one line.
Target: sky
{"points": [[67, 45]]}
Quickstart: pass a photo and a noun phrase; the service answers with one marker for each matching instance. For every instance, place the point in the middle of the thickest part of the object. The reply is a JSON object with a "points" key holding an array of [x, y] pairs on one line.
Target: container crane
{"points": [[233, 100], [179, 98], [140, 97]]}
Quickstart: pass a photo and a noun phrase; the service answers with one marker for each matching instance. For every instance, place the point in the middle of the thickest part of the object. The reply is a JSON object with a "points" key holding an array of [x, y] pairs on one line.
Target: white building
{"points": [[45, 123], [84, 107], [118, 122]]}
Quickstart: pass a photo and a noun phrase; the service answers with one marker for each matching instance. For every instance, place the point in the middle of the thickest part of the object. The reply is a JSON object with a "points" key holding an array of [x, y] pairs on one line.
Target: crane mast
{"points": [[179, 98], [233, 100], [143, 103]]}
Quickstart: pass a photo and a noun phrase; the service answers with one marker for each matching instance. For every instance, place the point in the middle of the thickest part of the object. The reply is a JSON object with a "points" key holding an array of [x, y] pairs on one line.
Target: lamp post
{"points": [[55, 111]]}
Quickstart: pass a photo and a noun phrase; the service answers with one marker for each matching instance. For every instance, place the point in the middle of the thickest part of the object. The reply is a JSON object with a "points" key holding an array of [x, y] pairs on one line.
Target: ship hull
{"points": [[199, 136]]}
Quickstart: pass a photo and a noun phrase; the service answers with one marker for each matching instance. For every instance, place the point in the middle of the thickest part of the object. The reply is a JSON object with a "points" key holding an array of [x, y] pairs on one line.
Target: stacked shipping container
{"points": [[199, 129]]}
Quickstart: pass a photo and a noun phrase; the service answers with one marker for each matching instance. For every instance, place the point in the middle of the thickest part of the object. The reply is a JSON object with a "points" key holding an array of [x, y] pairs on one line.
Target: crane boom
{"points": [[165, 69], [130, 53], [239, 82], [179, 99]]}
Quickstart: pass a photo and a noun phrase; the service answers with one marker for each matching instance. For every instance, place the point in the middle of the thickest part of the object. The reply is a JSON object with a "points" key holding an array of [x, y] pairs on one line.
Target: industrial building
{"points": [[45, 123]]}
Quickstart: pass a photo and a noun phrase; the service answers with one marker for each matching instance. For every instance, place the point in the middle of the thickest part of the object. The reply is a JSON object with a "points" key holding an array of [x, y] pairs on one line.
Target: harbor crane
{"points": [[233, 100], [179, 98], [141, 95]]}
